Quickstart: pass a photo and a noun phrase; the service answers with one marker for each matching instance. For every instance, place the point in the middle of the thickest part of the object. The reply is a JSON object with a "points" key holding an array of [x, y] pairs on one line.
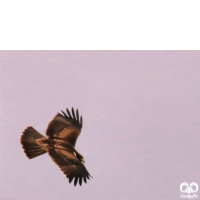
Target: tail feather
{"points": [[28, 141]]}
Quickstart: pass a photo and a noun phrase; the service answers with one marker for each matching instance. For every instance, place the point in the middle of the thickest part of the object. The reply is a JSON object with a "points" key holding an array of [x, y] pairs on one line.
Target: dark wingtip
{"points": [[74, 116], [73, 113], [77, 115], [90, 176], [80, 181], [81, 121], [81, 118], [85, 180], [69, 114], [70, 179], [64, 113], [75, 181]]}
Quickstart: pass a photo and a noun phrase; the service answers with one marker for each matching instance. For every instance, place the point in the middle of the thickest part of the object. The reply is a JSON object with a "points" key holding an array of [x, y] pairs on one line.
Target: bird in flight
{"points": [[62, 133]]}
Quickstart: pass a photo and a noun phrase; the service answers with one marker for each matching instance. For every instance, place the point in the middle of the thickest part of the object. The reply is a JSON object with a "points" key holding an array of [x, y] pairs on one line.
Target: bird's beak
{"points": [[83, 160]]}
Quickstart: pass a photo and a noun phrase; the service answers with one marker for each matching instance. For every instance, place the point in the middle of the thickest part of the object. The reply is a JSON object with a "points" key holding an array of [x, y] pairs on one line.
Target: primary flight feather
{"points": [[62, 133]]}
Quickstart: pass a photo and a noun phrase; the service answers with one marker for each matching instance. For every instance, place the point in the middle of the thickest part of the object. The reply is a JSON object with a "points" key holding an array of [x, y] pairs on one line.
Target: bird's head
{"points": [[80, 157], [82, 160]]}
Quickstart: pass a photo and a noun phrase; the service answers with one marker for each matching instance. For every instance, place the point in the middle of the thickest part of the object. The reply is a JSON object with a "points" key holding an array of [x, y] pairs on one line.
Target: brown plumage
{"points": [[62, 133]]}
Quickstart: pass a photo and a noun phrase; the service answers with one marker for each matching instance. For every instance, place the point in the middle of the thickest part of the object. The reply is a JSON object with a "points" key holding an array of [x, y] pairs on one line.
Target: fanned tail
{"points": [[28, 141]]}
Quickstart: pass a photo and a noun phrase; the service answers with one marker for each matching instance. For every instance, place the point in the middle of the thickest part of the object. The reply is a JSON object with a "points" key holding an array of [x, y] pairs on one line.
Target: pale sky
{"points": [[141, 122]]}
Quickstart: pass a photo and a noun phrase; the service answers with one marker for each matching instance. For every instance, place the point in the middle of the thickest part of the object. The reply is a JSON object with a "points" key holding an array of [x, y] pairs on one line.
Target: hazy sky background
{"points": [[141, 122]]}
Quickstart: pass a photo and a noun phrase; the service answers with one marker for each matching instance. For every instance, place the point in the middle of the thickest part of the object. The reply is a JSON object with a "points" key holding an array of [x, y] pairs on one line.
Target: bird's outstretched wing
{"points": [[70, 165], [66, 126]]}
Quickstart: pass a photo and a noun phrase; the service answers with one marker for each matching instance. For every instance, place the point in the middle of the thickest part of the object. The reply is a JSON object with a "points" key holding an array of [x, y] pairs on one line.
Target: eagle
{"points": [[62, 133]]}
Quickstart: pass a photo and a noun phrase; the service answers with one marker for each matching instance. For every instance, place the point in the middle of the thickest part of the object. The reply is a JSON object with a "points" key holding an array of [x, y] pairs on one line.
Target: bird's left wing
{"points": [[70, 165], [66, 126]]}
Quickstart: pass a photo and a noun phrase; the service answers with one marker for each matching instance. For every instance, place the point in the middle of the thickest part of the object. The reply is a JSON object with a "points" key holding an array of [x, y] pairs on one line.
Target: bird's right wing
{"points": [[70, 165]]}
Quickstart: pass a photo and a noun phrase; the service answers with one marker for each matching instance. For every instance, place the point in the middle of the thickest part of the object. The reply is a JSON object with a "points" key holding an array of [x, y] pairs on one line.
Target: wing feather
{"points": [[69, 114], [77, 115], [73, 113], [76, 180]]}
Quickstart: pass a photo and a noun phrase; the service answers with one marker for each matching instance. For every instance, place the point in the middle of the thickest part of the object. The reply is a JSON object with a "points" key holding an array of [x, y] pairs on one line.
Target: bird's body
{"points": [[62, 133]]}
